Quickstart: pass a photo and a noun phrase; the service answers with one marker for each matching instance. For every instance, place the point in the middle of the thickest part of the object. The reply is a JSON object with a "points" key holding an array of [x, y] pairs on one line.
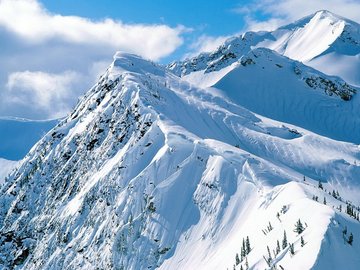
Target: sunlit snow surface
{"points": [[323, 40], [150, 171]]}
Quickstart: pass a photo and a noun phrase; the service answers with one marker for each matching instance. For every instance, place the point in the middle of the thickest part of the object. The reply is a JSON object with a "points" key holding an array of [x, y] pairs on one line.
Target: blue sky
{"points": [[203, 17], [215, 17], [51, 52]]}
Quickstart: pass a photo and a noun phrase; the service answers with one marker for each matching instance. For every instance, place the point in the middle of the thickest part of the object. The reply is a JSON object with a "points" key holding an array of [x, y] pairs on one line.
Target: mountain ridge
{"points": [[314, 40]]}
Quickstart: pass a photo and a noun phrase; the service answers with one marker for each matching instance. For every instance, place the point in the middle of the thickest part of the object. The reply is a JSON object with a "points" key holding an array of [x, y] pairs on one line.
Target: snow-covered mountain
{"points": [[17, 136], [300, 95], [6, 166], [150, 171], [322, 40]]}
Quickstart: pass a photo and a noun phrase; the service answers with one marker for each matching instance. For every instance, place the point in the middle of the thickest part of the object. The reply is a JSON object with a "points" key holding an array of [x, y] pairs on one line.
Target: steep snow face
{"points": [[323, 40], [151, 172], [343, 56], [308, 37], [6, 166], [300, 95], [327, 42]]}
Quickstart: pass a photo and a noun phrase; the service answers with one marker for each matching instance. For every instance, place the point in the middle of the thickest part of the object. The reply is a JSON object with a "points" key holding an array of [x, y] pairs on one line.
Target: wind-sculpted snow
{"points": [[149, 171], [276, 87], [322, 40]]}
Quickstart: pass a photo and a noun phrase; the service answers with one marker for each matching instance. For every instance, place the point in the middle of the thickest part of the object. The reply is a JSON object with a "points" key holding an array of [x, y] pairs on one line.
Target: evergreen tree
{"points": [[302, 241], [237, 260], [243, 250], [248, 247], [277, 247], [299, 228], [345, 231], [292, 250], [324, 200], [269, 253], [284, 241], [320, 185], [351, 239], [241, 268]]}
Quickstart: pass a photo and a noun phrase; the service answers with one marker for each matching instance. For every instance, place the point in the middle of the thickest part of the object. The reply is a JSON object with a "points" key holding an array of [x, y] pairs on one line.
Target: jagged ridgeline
{"points": [[152, 172]]}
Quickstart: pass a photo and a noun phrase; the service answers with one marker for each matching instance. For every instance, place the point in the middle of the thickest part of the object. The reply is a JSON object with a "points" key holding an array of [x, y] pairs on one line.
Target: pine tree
{"points": [[284, 241], [241, 268], [248, 247], [237, 260], [351, 239], [269, 253], [277, 247], [243, 250], [302, 241], [292, 251], [324, 200], [246, 263], [320, 185], [299, 228], [345, 231]]}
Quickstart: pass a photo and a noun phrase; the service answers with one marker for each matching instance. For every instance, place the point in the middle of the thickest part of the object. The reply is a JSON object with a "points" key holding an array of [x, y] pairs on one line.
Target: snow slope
{"points": [[6, 166], [322, 40], [17, 136], [299, 95], [151, 172], [325, 41]]}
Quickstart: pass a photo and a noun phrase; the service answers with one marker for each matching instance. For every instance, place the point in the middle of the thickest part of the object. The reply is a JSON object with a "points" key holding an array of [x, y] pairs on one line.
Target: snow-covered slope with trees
{"points": [[149, 171], [6, 166], [322, 40]]}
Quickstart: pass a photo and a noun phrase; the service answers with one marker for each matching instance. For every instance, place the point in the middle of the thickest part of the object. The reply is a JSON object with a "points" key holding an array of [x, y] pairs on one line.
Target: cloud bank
{"points": [[49, 59], [270, 14]]}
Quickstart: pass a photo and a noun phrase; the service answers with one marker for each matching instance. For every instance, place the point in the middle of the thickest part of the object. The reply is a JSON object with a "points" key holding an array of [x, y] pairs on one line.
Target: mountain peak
{"points": [[127, 62], [326, 13]]}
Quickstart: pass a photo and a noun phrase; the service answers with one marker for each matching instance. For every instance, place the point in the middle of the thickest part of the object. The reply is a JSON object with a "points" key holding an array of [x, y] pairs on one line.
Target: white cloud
{"points": [[48, 93], [29, 20], [295, 9], [268, 25], [38, 44], [205, 43], [274, 13]]}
